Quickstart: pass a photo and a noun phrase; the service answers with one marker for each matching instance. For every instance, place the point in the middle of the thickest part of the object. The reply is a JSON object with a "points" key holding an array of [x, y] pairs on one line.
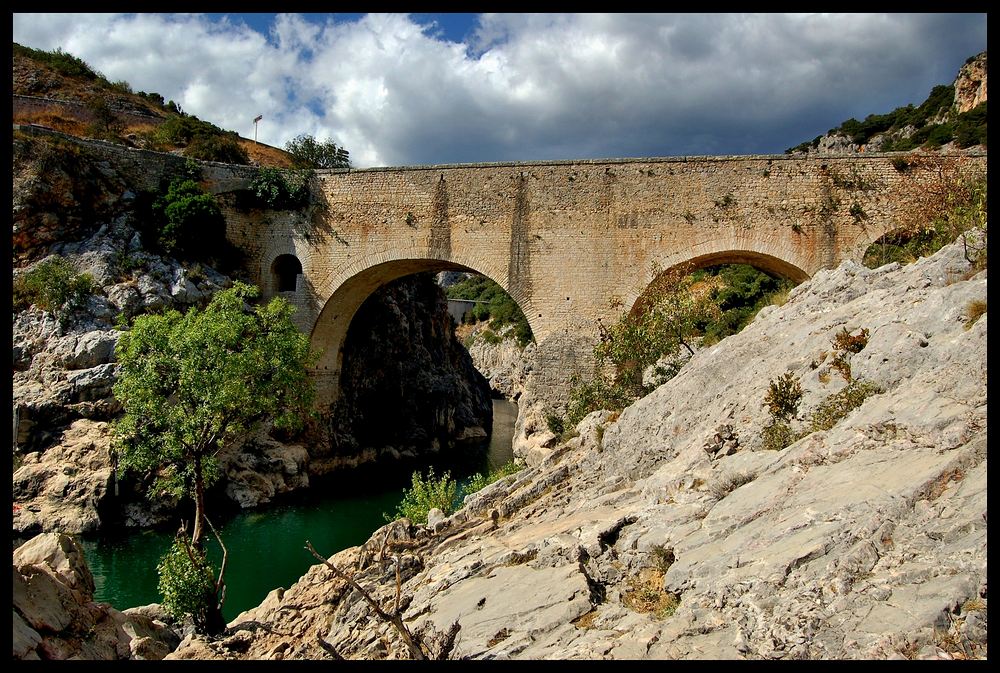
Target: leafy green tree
{"points": [[307, 152], [281, 189], [496, 306], [192, 383]]}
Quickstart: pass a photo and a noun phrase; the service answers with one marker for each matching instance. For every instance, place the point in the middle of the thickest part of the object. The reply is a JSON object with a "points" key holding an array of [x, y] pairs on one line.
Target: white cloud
{"points": [[527, 86]]}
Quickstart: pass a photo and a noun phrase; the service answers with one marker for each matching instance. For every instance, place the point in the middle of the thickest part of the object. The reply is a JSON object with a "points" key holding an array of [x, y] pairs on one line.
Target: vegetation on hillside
{"points": [[953, 207], [497, 306], [910, 127], [167, 128], [54, 286], [649, 344]]}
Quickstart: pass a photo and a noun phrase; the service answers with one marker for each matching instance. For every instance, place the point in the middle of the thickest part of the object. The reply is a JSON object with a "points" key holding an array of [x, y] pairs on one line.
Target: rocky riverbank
{"points": [[670, 532]]}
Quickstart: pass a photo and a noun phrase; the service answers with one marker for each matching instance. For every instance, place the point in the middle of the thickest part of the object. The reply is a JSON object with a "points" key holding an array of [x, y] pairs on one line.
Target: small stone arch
{"points": [[285, 272], [767, 263]]}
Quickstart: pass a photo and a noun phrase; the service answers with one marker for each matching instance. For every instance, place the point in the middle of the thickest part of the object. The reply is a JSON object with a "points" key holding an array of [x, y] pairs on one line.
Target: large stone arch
{"points": [[345, 294]]}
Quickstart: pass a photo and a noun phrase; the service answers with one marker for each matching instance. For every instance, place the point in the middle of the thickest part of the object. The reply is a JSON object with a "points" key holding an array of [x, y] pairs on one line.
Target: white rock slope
{"points": [[866, 540]]}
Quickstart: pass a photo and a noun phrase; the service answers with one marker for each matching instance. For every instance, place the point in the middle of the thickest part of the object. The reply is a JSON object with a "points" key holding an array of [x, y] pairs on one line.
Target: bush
{"points": [[837, 406], [974, 310], [783, 397], [726, 484], [555, 424], [188, 219], [844, 342], [777, 436], [424, 495], [187, 586], [280, 189], [951, 208], [54, 286], [222, 148], [483, 479]]}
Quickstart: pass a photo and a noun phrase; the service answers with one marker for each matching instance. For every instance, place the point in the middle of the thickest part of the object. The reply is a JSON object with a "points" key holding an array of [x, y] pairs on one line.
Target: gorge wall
{"points": [[83, 202]]}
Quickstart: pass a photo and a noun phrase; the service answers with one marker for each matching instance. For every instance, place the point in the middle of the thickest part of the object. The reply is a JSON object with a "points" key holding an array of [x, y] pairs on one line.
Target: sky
{"points": [[419, 89]]}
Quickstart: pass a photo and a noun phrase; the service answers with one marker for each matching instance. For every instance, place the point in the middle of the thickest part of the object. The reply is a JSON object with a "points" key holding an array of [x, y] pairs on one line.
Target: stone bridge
{"points": [[573, 242]]}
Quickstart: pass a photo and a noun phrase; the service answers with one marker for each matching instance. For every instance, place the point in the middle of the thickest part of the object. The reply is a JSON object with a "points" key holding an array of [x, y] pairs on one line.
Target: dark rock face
{"points": [[408, 384]]}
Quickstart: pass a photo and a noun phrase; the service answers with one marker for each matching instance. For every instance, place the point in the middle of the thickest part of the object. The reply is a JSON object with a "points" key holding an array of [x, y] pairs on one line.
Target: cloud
{"points": [[528, 86]]}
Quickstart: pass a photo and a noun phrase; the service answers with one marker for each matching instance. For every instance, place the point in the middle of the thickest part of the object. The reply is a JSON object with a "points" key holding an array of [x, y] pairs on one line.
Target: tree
{"points": [[667, 315], [192, 383], [307, 152]]}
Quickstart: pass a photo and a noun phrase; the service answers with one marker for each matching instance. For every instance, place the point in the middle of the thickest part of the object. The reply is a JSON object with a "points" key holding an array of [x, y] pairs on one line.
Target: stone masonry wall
{"points": [[578, 241], [573, 242]]}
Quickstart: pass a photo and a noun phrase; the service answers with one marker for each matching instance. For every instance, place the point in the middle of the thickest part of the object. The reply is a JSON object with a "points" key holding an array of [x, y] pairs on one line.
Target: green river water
{"points": [[266, 546]]}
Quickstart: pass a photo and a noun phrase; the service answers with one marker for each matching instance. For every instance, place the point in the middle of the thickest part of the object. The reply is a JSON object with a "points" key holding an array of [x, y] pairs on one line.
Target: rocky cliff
{"points": [[970, 91], [72, 204], [671, 532]]}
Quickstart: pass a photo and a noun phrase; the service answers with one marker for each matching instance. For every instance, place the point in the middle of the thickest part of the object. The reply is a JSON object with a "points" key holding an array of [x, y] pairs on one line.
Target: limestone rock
{"points": [[55, 616], [635, 539]]}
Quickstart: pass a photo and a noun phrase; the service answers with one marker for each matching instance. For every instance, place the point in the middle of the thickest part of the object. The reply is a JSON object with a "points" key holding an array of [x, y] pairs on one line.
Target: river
{"points": [[266, 546]]}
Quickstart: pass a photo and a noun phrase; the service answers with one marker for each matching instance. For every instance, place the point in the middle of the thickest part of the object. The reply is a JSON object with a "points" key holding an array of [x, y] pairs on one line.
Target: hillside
{"points": [[59, 91], [953, 117], [672, 532]]}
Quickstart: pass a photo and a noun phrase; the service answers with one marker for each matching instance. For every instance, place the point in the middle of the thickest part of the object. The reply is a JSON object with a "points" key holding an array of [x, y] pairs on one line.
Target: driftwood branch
{"points": [[220, 587], [395, 619]]}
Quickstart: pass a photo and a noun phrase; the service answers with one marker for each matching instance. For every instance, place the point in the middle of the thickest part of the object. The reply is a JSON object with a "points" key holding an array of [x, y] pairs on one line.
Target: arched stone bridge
{"points": [[573, 241]]}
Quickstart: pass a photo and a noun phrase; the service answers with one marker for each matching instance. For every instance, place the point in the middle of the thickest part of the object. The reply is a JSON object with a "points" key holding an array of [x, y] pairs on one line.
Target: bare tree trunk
{"points": [[199, 504]]}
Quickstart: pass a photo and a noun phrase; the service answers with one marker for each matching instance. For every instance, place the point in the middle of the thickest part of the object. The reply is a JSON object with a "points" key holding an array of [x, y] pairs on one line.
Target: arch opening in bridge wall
{"points": [[763, 262], [285, 272], [329, 333]]}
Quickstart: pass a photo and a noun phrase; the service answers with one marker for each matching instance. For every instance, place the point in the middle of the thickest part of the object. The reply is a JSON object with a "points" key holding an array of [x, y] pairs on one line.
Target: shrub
{"points": [[850, 343], [188, 219], [844, 342], [974, 310], [54, 286], [837, 406], [280, 189], [663, 557], [726, 484], [783, 397], [222, 148], [483, 479], [554, 422], [186, 582], [948, 209], [900, 164], [778, 435], [425, 494]]}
